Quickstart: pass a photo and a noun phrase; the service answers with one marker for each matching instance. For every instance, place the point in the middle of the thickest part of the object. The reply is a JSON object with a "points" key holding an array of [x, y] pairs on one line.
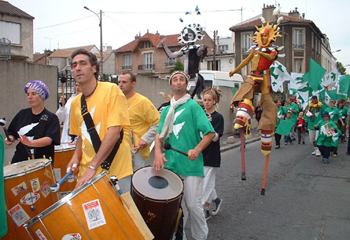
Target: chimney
{"points": [[267, 13], [294, 13]]}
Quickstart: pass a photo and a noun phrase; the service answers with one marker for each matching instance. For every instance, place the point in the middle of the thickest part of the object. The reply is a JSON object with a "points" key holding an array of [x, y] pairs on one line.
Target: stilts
{"points": [[265, 174], [243, 176]]}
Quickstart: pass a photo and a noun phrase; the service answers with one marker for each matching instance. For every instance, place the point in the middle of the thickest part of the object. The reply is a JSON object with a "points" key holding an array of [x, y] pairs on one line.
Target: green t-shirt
{"points": [[334, 113], [328, 134], [317, 116], [294, 107], [3, 219], [189, 122], [280, 113]]}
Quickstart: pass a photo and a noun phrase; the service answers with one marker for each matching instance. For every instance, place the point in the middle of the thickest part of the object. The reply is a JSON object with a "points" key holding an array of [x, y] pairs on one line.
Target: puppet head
{"points": [[266, 34], [191, 34]]}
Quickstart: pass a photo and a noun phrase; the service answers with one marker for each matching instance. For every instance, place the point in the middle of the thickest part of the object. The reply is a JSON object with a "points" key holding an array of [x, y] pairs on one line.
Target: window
{"points": [[11, 31], [246, 41], [223, 48], [170, 61], [148, 61], [298, 38], [217, 65], [126, 62], [298, 65], [145, 44], [312, 40]]}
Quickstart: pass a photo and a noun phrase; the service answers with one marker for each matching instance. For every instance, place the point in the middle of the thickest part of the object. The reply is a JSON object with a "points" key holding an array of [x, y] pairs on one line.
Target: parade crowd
{"points": [[325, 125]]}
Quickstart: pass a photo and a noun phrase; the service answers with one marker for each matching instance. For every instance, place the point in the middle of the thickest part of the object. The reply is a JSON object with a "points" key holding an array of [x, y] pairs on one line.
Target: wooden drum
{"points": [[93, 211], [27, 192], [158, 195], [63, 154]]}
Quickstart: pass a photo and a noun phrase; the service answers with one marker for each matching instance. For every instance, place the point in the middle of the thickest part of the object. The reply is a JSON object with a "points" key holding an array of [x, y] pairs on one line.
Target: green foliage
{"points": [[341, 68], [178, 67]]}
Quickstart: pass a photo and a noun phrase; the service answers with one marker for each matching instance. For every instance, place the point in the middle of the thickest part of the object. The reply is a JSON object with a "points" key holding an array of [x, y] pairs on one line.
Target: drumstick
{"points": [[56, 186], [167, 146], [3, 124]]}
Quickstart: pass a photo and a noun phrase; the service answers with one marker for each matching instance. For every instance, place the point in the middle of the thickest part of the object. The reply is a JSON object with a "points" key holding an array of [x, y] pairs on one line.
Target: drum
{"points": [[27, 193], [93, 211], [63, 154], [157, 195]]}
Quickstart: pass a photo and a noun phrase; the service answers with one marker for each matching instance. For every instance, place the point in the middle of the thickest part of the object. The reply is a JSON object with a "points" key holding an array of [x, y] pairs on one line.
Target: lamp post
{"points": [[101, 44], [339, 50]]}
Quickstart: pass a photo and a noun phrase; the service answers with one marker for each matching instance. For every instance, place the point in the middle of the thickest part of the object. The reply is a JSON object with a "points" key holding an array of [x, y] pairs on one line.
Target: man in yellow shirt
{"points": [[144, 120], [106, 104]]}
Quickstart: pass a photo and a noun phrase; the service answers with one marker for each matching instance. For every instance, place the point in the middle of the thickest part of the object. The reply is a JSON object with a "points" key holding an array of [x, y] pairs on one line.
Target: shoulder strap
{"points": [[95, 138]]}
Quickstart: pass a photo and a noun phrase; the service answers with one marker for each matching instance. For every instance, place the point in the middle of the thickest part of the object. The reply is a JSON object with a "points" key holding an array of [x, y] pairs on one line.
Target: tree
{"points": [[178, 67], [341, 68]]}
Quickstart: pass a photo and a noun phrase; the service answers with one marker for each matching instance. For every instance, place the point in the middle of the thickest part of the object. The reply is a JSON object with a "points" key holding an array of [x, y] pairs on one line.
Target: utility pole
{"points": [[101, 43], [214, 50]]}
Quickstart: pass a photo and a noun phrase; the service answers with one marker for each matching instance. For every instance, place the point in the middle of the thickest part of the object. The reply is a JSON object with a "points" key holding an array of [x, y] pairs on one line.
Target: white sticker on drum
{"points": [[45, 189], [35, 184], [19, 189], [93, 214], [72, 236], [40, 234], [57, 173], [18, 215], [30, 198]]}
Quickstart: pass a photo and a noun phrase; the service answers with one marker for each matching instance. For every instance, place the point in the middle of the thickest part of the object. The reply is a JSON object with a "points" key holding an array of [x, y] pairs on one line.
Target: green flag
{"points": [[315, 75], [284, 127], [344, 84], [3, 217]]}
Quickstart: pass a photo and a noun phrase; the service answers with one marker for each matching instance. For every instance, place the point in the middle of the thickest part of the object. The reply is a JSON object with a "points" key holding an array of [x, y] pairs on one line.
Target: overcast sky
{"points": [[65, 23]]}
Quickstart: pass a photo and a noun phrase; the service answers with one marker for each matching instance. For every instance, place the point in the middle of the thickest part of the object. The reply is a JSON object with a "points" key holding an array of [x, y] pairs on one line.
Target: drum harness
{"points": [[95, 138]]}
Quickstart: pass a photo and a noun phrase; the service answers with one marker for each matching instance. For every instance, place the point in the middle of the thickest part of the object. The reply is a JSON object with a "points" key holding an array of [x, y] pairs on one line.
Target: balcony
{"points": [[127, 67], [146, 69], [298, 46]]}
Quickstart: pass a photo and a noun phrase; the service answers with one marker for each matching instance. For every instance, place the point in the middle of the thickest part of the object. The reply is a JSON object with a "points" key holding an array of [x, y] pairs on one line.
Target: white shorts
{"points": [[313, 134]]}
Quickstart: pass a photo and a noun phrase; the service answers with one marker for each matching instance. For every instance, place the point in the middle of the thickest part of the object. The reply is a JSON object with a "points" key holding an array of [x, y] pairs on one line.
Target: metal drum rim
{"points": [[29, 171], [65, 199]]}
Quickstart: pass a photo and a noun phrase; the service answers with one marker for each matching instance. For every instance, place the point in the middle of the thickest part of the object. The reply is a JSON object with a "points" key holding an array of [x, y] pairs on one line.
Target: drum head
{"points": [[159, 185], [64, 147], [20, 168]]}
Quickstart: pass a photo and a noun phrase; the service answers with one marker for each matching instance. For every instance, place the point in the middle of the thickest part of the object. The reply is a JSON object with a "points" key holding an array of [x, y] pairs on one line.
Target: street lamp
{"points": [[101, 47], [339, 50]]}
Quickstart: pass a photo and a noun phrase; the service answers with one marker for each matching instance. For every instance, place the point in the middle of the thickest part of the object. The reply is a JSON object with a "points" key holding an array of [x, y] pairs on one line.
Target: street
{"points": [[304, 199]]}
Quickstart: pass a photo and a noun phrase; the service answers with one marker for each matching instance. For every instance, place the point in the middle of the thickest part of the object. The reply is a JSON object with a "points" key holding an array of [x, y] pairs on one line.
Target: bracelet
{"points": [[92, 167]]}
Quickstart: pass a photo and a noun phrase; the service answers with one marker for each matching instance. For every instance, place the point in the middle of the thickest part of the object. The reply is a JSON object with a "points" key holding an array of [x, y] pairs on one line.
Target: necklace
{"points": [[92, 90]]}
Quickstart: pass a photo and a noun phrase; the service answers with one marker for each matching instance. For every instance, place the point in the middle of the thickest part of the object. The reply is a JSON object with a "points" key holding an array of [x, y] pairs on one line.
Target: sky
{"points": [[65, 24]]}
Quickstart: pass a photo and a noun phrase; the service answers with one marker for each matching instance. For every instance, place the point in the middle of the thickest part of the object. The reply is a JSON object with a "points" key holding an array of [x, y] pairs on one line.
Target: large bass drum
{"points": [[27, 193], [93, 211], [157, 195]]}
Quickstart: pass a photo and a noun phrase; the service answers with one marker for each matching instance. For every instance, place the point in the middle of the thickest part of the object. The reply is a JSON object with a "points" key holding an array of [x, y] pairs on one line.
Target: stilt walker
{"points": [[262, 55]]}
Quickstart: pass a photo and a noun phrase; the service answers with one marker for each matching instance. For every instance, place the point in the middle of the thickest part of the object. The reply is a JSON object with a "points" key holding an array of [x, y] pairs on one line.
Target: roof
{"points": [[256, 21], [67, 52], [171, 41], [9, 9]]}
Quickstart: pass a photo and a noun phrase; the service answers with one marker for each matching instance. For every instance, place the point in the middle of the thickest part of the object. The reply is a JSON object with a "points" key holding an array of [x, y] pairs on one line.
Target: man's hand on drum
{"points": [[89, 174], [159, 160]]}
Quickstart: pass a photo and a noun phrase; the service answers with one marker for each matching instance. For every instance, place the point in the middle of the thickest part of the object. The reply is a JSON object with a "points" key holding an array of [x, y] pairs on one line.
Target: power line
{"points": [[58, 24], [177, 12]]}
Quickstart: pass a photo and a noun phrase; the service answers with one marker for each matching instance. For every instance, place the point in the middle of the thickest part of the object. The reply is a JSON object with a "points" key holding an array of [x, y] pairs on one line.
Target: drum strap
{"points": [[95, 138]]}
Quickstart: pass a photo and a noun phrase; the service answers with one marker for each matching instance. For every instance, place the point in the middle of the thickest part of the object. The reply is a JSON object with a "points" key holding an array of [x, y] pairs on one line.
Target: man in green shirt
{"points": [[181, 125]]}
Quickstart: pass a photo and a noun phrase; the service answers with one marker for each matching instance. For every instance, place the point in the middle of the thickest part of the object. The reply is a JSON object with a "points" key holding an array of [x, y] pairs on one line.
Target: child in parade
{"points": [[334, 114], [328, 134], [211, 155], [300, 126], [287, 138]]}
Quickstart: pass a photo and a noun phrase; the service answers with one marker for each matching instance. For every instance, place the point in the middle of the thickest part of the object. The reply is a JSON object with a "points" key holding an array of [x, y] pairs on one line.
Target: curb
{"points": [[235, 145]]}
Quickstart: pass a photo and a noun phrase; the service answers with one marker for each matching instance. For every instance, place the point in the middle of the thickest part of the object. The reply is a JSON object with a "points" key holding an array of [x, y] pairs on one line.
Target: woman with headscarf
{"points": [[36, 128]]}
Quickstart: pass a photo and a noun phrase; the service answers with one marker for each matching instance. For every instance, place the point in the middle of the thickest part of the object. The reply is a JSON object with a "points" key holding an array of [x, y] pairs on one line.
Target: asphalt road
{"points": [[304, 198]]}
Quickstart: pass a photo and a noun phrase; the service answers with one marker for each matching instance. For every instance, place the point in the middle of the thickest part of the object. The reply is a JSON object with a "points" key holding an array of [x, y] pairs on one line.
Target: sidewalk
{"points": [[224, 146]]}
